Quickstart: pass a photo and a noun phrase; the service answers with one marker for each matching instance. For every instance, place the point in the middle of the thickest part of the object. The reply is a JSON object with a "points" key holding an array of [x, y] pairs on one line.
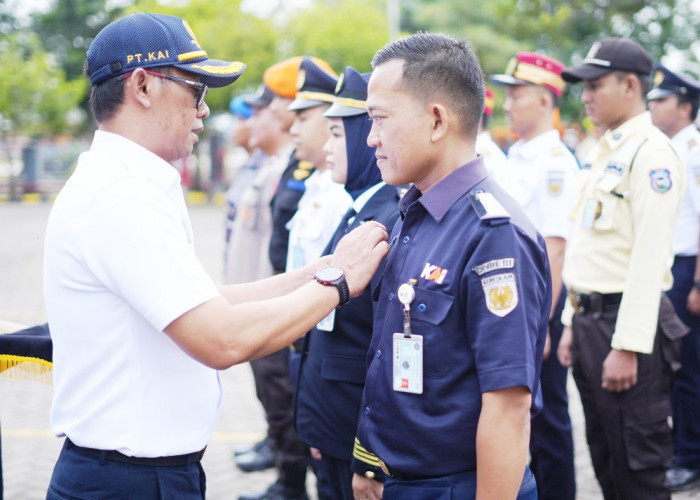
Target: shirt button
{"points": [[367, 410], [406, 239], [391, 296], [422, 308], [379, 353]]}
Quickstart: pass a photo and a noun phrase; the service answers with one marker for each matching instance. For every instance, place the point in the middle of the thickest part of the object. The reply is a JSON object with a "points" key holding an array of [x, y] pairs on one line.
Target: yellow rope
{"points": [[26, 368]]}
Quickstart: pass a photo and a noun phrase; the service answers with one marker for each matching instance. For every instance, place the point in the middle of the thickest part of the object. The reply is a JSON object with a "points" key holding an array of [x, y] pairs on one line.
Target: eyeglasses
{"points": [[201, 89]]}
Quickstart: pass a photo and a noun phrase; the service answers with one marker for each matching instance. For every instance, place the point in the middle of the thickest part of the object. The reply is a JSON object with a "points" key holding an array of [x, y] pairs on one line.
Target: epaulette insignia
{"points": [[300, 174], [557, 151], [305, 165], [692, 143], [487, 206]]}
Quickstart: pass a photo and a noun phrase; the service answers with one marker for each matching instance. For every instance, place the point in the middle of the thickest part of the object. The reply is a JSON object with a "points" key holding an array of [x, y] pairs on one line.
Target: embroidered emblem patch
{"points": [[501, 293], [555, 185], [433, 273], [660, 180]]}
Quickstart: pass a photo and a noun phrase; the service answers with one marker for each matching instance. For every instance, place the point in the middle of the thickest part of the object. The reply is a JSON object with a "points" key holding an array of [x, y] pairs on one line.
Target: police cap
{"points": [[261, 99], [531, 68], [667, 83], [350, 94], [315, 86]]}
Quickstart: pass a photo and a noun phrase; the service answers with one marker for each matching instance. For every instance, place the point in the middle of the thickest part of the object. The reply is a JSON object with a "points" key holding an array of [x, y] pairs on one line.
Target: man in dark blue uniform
{"points": [[463, 304], [332, 373]]}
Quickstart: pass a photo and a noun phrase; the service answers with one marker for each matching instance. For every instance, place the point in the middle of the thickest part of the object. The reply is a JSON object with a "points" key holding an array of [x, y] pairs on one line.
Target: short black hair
{"points": [[438, 65], [694, 104], [642, 79], [106, 97]]}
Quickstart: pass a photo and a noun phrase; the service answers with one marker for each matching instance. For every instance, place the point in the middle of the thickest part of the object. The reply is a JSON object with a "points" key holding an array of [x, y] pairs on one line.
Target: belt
{"points": [[588, 302], [115, 456]]}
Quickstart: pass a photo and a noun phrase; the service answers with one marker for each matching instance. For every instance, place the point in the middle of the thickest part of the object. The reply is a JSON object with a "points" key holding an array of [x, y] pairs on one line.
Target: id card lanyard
{"points": [[407, 347]]}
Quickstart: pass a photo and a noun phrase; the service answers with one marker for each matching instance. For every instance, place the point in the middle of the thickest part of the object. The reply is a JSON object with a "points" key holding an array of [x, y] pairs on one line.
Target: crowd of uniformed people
{"points": [[410, 295]]}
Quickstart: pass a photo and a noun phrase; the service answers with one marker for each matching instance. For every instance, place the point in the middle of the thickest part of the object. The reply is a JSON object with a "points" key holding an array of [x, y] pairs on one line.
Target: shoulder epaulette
{"points": [[692, 143], [488, 208]]}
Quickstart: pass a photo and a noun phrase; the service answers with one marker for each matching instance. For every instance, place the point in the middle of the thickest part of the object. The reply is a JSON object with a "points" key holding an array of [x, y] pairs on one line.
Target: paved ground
{"points": [[29, 449]]}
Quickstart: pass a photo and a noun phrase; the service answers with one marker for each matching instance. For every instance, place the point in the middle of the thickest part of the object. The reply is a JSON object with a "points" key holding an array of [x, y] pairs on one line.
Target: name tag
{"points": [[408, 363]]}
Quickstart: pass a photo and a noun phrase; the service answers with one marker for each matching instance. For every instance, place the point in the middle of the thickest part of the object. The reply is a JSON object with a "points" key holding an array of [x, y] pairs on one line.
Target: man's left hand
{"points": [[619, 371]]}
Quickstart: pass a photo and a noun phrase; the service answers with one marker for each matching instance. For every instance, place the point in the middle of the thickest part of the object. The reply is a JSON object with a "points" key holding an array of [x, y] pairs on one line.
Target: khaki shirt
{"points": [[624, 222]]}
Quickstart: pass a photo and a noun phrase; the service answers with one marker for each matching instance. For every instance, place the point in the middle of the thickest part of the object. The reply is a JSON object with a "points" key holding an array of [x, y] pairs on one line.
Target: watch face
{"points": [[329, 273]]}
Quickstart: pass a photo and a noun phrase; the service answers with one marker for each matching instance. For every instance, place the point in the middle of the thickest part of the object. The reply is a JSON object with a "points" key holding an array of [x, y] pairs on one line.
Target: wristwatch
{"points": [[334, 276]]}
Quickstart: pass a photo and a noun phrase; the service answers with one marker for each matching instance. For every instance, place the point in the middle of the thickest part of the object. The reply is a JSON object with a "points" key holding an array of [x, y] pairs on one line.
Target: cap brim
{"points": [[508, 80], [299, 104], [256, 102], [584, 72], [340, 111], [215, 73], [658, 93]]}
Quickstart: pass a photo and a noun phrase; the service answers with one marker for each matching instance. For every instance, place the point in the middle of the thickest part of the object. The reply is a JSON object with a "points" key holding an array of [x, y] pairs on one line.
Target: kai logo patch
{"points": [[660, 180], [433, 273], [501, 293]]}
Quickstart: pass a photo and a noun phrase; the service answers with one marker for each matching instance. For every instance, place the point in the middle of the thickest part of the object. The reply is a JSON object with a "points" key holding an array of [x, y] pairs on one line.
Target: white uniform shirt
{"points": [[685, 240], [494, 157], [541, 174], [321, 208], [119, 266]]}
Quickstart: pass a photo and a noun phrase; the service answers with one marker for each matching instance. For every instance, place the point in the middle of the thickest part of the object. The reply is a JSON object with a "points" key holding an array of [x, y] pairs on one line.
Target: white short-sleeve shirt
{"points": [[541, 175], [685, 239], [119, 266], [494, 157]]}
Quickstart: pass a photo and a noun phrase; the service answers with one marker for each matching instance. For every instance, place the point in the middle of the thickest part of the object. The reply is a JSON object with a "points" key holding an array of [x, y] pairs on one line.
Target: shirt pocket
{"points": [[344, 369], [610, 197], [429, 311]]}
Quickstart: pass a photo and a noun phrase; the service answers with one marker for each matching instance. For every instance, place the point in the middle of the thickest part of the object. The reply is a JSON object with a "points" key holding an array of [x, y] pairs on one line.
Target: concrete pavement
{"points": [[29, 449]]}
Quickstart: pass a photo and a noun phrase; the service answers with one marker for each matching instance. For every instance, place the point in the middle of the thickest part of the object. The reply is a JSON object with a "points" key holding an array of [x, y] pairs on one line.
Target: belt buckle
{"points": [[383, 466], [575, 299]]}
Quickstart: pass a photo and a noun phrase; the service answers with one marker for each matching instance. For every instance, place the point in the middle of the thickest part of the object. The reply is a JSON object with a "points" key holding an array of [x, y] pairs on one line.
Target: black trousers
{"points": [[628, 434], [276, 394]]}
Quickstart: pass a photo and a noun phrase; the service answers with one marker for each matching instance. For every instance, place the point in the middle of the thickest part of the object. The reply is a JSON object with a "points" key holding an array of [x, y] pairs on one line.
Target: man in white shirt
{"points": [[539, 173], [673, 103], [138, 328], [494, 157]]}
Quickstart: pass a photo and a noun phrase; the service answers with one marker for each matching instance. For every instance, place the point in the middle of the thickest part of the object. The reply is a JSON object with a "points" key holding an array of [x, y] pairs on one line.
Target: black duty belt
{"points": [[115, 456], [585, 303]]}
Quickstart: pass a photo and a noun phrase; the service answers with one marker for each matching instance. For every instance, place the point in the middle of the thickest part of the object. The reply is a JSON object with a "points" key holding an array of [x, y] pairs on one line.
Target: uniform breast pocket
{"points": [[429, 311], [609, 197]]}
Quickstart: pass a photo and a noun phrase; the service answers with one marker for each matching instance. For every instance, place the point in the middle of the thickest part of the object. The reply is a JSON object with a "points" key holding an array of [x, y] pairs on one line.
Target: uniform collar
{"points": [[137, 159], [445, 193], [685, 134], [613, 139], [362, 200], [534, 147]]}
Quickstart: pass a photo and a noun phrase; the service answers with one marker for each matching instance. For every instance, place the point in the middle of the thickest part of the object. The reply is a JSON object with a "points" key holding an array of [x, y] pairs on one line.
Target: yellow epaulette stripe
{"points": [[363, 455], [25, 367]]}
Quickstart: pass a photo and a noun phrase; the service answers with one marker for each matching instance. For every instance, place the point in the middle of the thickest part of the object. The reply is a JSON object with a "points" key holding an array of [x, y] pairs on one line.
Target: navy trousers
{"points": [[460, 486], [685, 395], [78, 475], [551, 440]]}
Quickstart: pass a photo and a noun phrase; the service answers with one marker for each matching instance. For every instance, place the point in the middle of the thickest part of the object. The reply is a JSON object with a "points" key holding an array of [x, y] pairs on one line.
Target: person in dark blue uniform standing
{"points": [[332, 372], [464, 299]]}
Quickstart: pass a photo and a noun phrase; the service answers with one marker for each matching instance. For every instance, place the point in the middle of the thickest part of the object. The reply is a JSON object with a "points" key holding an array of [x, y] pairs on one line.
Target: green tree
{"points": [[35, 96]]}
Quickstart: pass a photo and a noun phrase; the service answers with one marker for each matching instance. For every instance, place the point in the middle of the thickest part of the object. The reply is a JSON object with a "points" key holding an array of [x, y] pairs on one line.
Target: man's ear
{"points": [[138, 87], [440, 118]]}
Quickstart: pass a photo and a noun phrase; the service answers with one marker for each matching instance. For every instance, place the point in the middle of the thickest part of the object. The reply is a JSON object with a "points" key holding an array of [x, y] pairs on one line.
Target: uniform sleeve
{"points": [[693, 177], [657, 181], [558, 196], [144, 255], [508, 299]]}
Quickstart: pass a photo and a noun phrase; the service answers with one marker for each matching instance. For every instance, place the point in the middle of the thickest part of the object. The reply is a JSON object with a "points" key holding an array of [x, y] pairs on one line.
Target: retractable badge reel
{"points": [[408, 348]]}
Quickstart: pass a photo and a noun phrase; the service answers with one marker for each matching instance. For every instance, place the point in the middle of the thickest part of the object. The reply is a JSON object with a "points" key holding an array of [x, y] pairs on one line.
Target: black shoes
{"points": [[260, 457], [277, 491], [681, 479]]}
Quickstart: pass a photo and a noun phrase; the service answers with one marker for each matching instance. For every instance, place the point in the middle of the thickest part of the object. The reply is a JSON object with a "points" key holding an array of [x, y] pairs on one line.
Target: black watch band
{"points": [[333, 276]]}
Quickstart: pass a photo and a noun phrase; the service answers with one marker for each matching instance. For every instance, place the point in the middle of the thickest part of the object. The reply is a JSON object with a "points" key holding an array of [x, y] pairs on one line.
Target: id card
{"points": [[591, 211], [408, 363], [327, 323]]}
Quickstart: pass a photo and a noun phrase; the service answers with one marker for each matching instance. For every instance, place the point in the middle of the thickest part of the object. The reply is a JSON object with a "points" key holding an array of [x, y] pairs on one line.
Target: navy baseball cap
{"points": [[261, 99], [315, 86], [350, 94], [144, 40], [608, 55], [667, 83]]}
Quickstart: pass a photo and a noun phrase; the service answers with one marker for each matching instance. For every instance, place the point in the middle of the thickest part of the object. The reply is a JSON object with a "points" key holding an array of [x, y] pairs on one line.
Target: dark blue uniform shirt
{"points": [[482, 306]]}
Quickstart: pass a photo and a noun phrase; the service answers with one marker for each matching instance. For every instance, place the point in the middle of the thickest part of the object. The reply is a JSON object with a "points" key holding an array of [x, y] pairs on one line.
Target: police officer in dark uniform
{"points": [[333, 367], [463, 303]]}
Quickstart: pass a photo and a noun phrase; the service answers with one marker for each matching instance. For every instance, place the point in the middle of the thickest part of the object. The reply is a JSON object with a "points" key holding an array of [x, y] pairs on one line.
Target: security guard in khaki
{"points": [[618, 265]]}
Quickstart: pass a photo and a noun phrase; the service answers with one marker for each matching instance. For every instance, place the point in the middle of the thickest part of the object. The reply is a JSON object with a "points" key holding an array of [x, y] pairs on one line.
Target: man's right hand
{"points": [[359, 253], [564, 349]]}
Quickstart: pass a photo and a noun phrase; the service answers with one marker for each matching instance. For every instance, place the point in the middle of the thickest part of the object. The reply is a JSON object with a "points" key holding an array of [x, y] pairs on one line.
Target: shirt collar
{"points": [[362, 200], [136, 158], [685, 134], [533, 147], [440, 198], [613, 139]]}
